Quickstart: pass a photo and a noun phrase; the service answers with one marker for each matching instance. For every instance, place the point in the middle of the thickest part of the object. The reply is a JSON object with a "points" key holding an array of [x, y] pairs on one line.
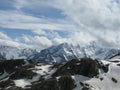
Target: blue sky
{"points": [[39, 24]]}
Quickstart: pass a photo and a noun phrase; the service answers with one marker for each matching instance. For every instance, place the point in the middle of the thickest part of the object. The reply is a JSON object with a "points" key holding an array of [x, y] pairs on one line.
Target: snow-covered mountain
{"points": [[8, 52], [65, 52], [60, 53]]}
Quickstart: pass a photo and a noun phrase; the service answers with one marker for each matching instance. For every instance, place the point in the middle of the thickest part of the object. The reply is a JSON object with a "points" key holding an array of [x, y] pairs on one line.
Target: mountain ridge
{"points": [[65, 52], [59, 53]]}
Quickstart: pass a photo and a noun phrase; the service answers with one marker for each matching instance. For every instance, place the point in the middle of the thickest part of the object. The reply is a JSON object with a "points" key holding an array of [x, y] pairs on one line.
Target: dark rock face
{"points": [[50, 84], [24, 72], [66, 82], [114, 80], [89, 67], [86, 67], [10, 65], [105, 68], [5, 84]]}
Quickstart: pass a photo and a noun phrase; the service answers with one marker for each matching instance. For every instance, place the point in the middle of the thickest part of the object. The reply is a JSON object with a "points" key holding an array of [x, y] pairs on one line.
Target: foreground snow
{"points": [[104, 81], [21, 83]]}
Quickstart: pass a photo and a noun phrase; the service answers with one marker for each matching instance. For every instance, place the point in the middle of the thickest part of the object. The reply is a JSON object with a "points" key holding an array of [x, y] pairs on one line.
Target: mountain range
{"points": [[59, 53]]}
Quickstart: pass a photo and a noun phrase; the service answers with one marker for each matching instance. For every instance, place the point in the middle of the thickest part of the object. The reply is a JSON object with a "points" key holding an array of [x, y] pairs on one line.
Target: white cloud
{"points": [[6, 40], [42, 41], [19, 4], [39, 32], [60, 40], [19, 20], [9, 43], [81, 38], [4, 36], [86, 20], [37, 42], [94, 17], [27, 39], [94, 14]]}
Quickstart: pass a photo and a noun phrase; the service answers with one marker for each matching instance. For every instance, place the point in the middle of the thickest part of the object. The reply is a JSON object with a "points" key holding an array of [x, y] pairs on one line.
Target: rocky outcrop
{"points": [[63, 83], [58, 79], [86, 67], [50, 84], [66, 82], [10, 66]]}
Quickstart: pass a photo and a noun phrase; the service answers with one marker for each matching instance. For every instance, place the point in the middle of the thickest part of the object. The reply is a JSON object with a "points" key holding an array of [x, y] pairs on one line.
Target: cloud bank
{"points": [[78, 22]]}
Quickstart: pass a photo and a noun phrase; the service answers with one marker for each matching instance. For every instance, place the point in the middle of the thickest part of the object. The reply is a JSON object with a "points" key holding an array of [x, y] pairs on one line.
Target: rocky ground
{"points": [[77, 74]]}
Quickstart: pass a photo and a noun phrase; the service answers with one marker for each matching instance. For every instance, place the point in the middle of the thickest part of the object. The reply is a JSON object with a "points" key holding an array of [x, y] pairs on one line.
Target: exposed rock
{"points": [[114, 80], [10, 65], [86, 67], [50, 84], [23, 73], [5, 84], [118, 64], [105, 68], [66, 82], [86, 86], [101, 78]]}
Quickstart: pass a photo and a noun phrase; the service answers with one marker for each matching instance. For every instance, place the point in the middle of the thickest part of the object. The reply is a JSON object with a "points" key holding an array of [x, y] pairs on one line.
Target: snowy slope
{"points": [[104, 81], [111, 80]]}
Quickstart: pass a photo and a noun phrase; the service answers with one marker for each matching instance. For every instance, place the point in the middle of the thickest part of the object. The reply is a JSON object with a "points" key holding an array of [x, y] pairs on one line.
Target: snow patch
{"points": [[21, 83]]}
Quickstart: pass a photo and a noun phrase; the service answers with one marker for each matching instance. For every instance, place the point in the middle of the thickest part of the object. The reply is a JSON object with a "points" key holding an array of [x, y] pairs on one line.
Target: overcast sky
{"points": [[43, 23]]}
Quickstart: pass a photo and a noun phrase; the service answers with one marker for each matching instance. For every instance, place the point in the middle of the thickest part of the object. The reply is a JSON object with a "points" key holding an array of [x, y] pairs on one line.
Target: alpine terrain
{"points": [[62, 67]]}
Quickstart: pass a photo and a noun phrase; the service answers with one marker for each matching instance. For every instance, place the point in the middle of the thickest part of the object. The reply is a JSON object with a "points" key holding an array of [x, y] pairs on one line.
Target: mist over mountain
{"points": [[9, 52]]}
